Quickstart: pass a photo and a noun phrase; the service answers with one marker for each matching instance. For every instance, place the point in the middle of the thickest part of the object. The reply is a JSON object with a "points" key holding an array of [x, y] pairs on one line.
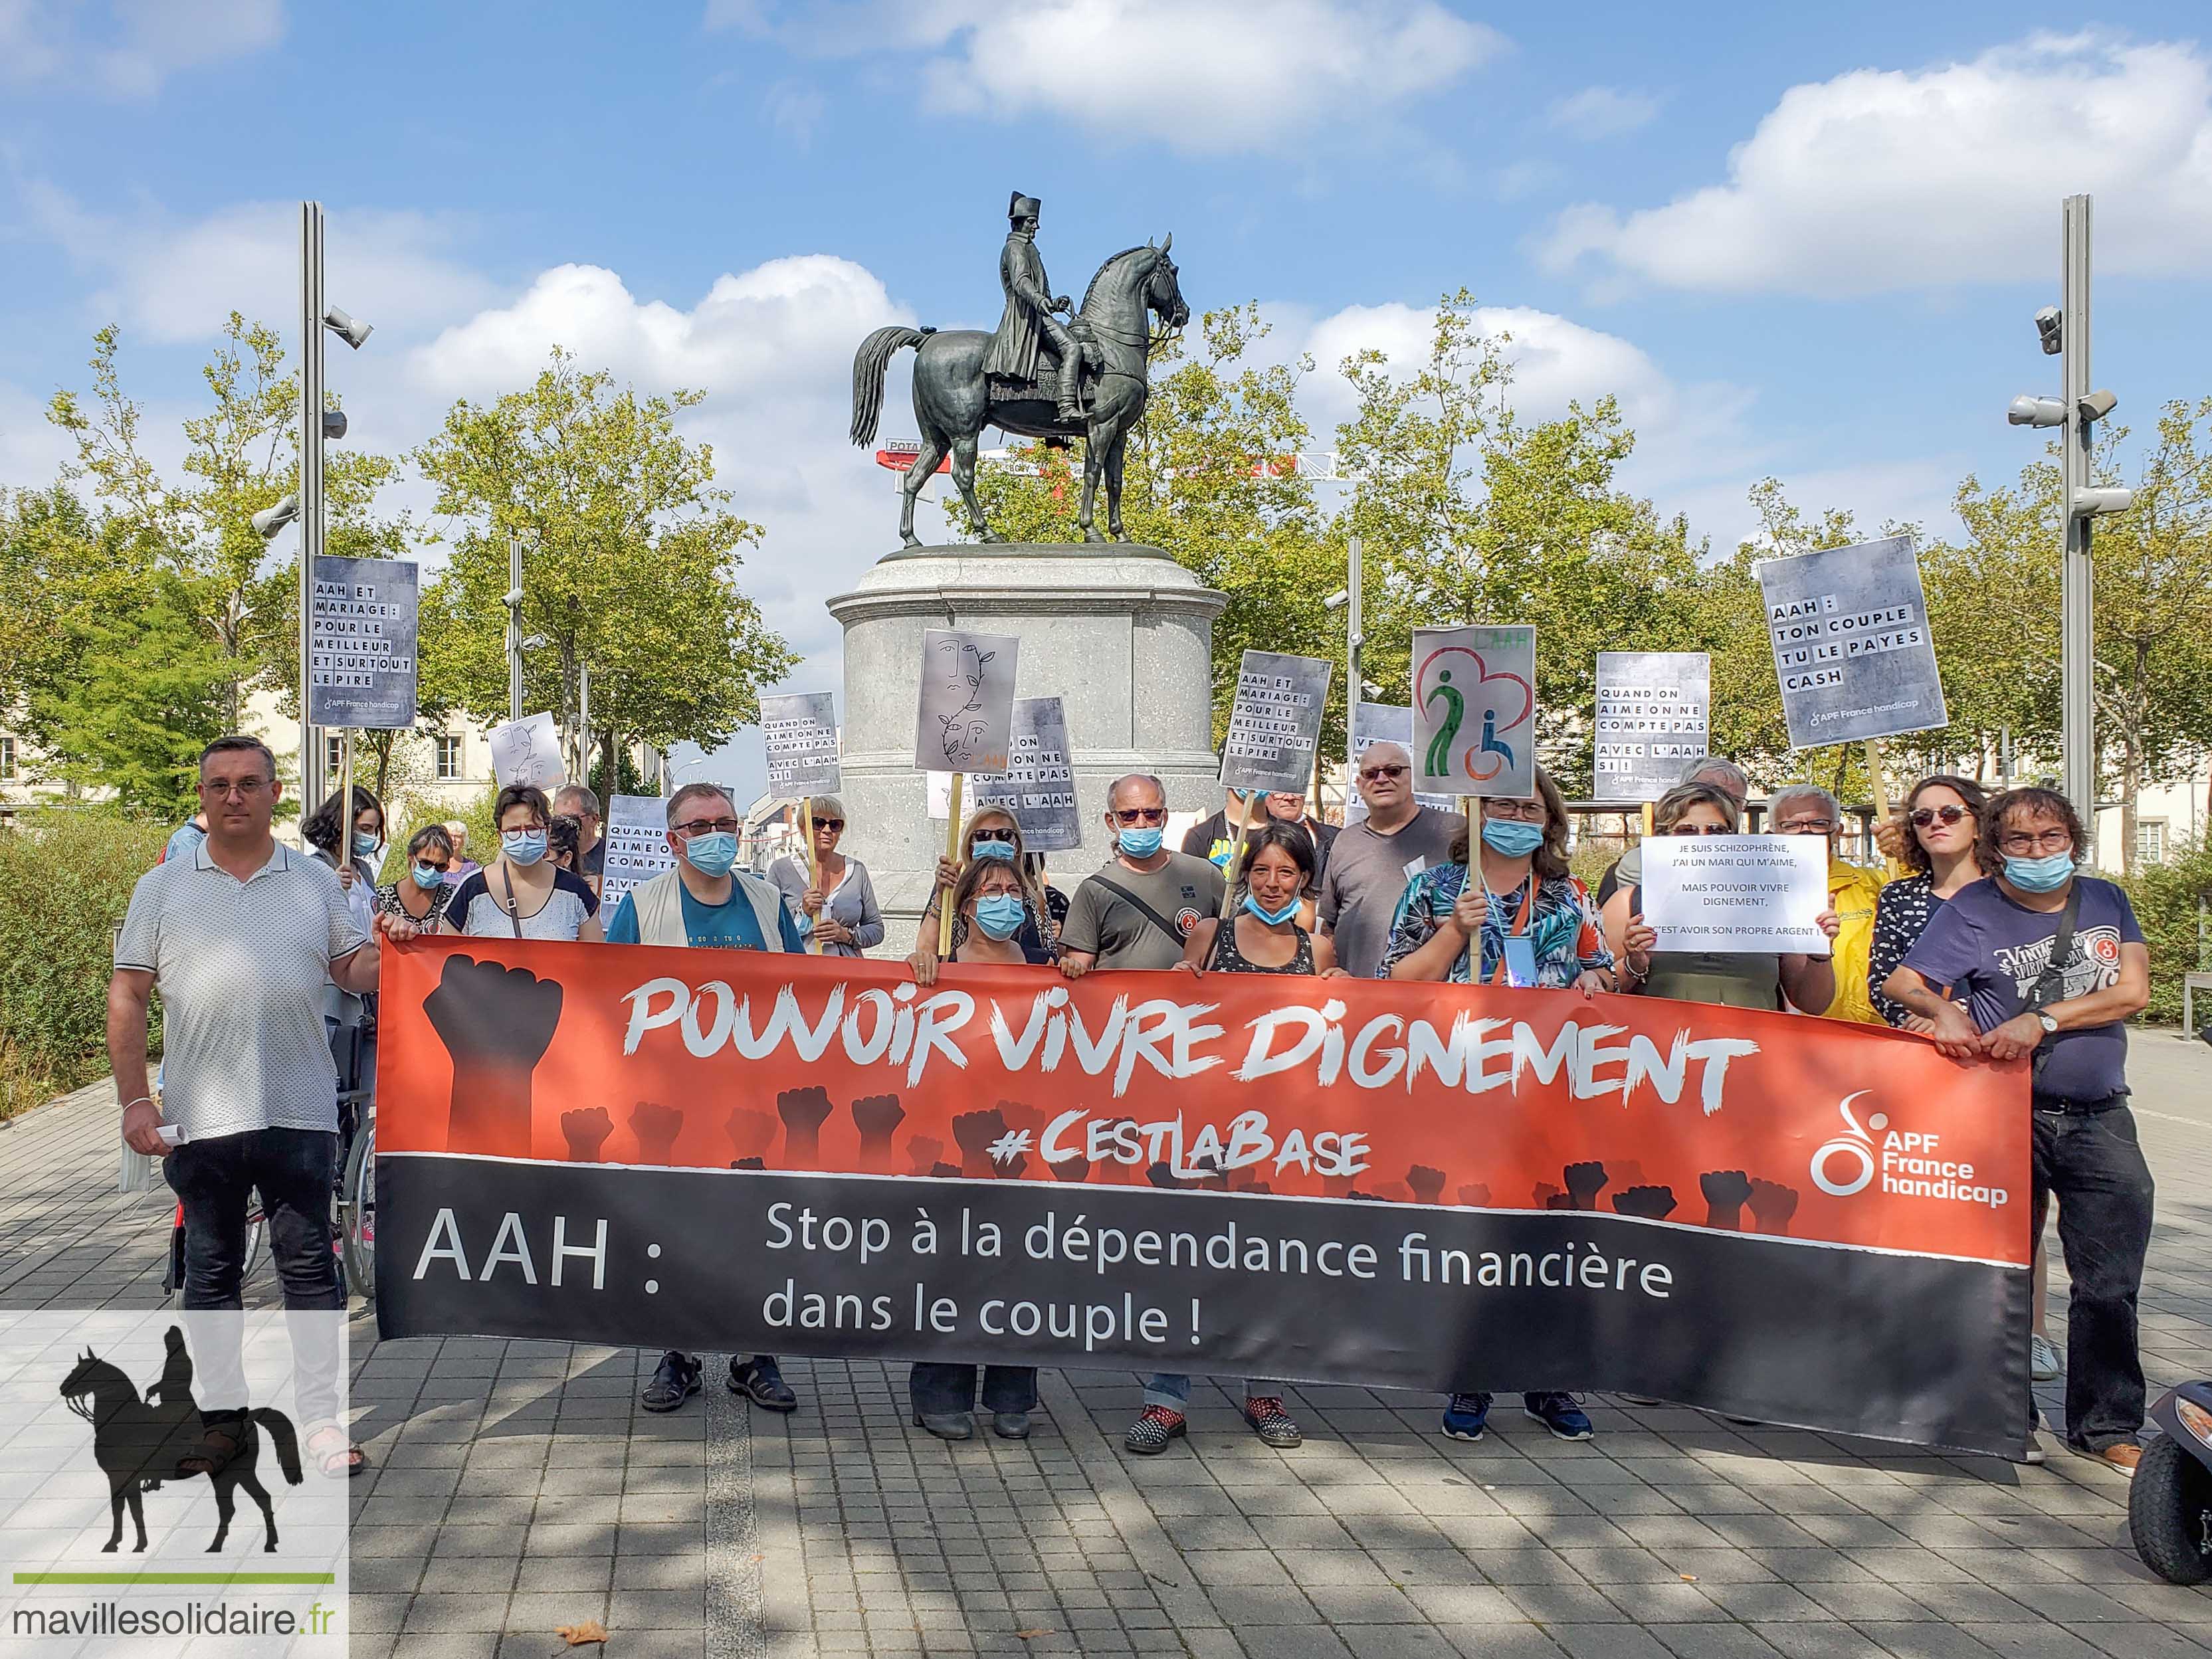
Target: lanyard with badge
{"points": [[1516, 960]]}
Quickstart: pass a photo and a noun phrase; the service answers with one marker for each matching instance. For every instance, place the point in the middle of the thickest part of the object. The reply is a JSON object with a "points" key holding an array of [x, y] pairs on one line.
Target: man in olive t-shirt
{"points": [[1137, 912], [1373, 860]]}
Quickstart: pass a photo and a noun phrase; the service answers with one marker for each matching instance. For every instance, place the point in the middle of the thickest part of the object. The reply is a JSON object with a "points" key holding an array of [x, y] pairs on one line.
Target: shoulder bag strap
{"points": [[513, 918], [2052, 980], [1142, 909]]}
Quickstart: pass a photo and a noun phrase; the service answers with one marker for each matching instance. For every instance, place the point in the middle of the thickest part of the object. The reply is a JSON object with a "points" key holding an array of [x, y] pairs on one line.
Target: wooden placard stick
{"points": [[1236, 854], [813, 869], [951, 853]]}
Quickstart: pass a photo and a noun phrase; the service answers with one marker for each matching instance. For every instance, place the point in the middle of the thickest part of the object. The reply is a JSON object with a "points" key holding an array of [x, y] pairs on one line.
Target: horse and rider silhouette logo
{"points": [[1458, 693], [139, 1442]]}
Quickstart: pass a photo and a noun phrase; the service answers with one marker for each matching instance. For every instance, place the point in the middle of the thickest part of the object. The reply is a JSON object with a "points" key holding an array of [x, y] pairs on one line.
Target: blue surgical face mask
{"points": [[367, 845], [1272, 917], [712, 854], [1510, 839], [1142, 842], [1001, 850], [425, 876], [1000, 915], [522, 846], [2044, 875]]}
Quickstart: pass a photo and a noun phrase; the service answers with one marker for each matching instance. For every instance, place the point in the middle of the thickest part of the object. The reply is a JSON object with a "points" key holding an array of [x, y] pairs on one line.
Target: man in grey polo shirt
{"points": [[1374, 859], [242, 936]]}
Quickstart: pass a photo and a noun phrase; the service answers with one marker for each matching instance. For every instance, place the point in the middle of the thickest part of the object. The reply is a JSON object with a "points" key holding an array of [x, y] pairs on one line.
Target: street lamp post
{"points": [[2064, 330], [514, 628]]}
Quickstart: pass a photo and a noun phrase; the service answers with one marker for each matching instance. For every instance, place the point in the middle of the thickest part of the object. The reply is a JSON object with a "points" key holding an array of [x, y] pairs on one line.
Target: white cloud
{"points": [[1879, 180], [127, 48], [32, 448], [1596, 112], [1204, 76], [173, 282]]}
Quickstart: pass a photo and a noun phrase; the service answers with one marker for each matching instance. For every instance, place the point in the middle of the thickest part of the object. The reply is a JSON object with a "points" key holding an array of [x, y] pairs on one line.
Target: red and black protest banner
{"points": [[1418, 1186]]}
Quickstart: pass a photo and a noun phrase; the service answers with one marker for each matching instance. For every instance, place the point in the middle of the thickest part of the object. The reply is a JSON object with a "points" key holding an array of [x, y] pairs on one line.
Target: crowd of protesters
{"points": [[1982, 935]]}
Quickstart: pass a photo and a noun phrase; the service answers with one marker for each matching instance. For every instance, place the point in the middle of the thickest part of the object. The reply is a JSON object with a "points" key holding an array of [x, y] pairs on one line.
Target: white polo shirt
{"points": [[241, 967]]}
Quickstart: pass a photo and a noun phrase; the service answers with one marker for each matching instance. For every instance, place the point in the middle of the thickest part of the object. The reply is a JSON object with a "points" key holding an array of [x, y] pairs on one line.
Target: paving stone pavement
{"points": [[516, 1486]]}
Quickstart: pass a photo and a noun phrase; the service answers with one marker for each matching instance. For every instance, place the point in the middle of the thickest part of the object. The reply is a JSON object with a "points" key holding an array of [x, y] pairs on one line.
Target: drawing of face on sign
{"points": [[1477, 709], [960, 667], [967, 701]]}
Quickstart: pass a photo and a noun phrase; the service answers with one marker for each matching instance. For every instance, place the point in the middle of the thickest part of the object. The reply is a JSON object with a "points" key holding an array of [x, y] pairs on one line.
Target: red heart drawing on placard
{"points": [[1456, 673]]}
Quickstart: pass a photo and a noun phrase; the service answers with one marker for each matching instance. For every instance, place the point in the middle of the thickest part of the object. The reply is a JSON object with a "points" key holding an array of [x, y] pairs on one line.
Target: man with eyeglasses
{"points": [[1374, 859], [707, 903], [1854, 894], [242, 935], [1138, 911], [574, 801], [2051, 965]]}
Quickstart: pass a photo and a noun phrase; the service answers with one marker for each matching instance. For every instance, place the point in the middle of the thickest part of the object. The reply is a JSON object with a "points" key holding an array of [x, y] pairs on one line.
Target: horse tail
{"points": [[869, 363], [279, 1429]]}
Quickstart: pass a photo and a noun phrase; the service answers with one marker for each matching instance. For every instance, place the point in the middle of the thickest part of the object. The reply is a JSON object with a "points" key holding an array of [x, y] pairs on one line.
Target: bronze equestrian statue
{"points": [[1030, 376]]}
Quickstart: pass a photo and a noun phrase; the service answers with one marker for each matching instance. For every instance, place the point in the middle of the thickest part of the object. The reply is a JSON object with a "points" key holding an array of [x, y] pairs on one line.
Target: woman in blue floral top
{"points": [[1524, 844], [1519, 886]]}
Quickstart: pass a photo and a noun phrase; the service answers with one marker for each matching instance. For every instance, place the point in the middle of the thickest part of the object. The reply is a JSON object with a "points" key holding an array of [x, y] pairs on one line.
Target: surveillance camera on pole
{"points": [[2062, 331], [271, 519], [354, 331]]}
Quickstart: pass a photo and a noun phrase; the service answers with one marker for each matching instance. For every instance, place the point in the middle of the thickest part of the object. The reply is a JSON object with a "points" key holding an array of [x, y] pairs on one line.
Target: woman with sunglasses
{"points": [[420, 891], [1732, 979], [842, 903], [1942, 819], [992, 910], [994, 835]]}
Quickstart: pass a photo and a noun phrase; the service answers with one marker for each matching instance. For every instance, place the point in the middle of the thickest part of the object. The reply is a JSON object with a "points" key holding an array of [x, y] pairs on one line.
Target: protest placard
{"points": [[1048, 1174], [637, 845], [528, 750], [800, 731], [361, 621], [1474, 710], [1384, 722], [1274, 724], [1652, 719], [965, 720], [1732, 893], [1852, 646], [1038, 785]]}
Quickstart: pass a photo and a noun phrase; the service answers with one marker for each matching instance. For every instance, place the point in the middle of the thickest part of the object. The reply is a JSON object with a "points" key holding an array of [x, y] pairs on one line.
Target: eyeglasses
{"points": [[237, 791], [1517, 811], [1698, 829], [1009, 837], [2051, 841], [1140, 814], [835, 826], [1924, 815], [709, 826], [1381, 774], [1806, 827]]}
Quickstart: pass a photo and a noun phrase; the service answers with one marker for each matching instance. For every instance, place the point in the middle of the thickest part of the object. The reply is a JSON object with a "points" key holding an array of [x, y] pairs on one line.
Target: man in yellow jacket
{"points": [[1806, 809]]}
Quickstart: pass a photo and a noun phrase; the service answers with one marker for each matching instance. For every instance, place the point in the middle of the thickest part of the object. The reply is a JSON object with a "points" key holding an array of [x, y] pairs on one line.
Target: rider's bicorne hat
{"points": [[1024, 207]]}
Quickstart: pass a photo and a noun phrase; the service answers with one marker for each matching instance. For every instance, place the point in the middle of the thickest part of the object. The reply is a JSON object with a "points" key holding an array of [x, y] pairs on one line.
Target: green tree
{"points": [[632, 568]]}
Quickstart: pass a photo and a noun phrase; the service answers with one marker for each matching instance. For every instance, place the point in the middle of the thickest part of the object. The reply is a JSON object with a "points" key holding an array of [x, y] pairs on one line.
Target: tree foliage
{"points": [[631, 569]]}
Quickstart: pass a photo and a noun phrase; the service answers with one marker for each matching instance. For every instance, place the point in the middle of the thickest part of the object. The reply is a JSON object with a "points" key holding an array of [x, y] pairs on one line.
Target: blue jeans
{"points": [[1174, 1392], [939, 1390]]}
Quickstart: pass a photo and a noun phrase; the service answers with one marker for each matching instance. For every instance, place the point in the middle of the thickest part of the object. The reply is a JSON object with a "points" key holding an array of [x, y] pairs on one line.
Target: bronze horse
{"points": [[954, 400]]}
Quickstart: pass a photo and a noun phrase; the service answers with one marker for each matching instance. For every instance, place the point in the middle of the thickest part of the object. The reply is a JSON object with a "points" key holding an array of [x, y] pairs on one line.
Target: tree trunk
{"points": [[2131, 769]]}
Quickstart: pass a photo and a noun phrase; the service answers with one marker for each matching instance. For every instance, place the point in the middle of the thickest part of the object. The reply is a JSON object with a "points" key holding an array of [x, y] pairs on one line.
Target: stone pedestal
{"points": [[1122, 634]]}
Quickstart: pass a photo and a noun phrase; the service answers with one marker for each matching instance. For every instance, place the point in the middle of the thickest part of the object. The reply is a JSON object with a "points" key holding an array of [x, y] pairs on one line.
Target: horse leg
{"points": [[933, 446], [1094, 464], [137, 1518], [963, 474], [260, 1494], [115, 1509], [1114, 453], [224, 1504]]}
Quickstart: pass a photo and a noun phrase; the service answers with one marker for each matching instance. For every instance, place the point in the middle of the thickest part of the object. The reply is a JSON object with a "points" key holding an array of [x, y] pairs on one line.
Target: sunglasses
{"points": [[1009, 837], [837, 825], [442, 867], [1924, 815], [1142, 815], [1378, 773]]}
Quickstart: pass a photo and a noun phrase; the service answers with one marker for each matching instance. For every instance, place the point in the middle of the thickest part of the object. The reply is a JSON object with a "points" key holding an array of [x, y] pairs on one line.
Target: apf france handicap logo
{"points": [[1479, 717]]}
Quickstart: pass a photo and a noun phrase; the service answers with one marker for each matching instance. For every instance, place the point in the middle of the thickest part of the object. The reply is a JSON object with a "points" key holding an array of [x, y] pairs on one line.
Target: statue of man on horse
{"points": [[1027, 376]]}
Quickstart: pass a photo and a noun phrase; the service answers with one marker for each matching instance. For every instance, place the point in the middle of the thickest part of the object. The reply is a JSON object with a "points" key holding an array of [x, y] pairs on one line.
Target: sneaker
{"points": [[1149, 1435], [760, 1382], [1274, 1425], [1560, 1414], [2121, 1455], [2036, 1457], [1466, 1416], [675, 1380], [2043, 1363]]}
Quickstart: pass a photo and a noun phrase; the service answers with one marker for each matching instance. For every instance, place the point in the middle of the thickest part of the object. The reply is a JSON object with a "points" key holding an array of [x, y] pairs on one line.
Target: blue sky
{"points": [[1796, 241]]}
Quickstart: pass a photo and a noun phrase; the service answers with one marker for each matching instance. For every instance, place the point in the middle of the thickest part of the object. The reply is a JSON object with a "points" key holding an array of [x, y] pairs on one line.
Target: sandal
{"points": [[327, 1445], [218, 1443]]}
